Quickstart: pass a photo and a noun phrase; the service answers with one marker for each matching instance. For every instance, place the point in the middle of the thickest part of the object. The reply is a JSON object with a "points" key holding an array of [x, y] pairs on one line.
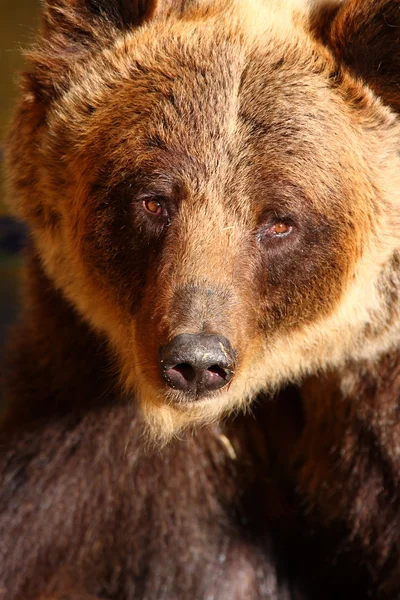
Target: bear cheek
{"points": [[109, 270], [303, 285]]}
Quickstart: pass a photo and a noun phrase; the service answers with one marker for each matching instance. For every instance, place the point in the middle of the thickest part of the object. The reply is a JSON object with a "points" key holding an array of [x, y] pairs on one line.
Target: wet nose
{"points": [[197, 364]]}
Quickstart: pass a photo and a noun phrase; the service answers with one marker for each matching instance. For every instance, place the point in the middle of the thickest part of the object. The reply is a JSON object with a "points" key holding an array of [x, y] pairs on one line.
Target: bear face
{"points": [[216, 172]]}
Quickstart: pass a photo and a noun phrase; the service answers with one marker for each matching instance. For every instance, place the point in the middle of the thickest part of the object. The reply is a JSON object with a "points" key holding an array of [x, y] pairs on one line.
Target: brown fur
{"points": [[233, 114]]}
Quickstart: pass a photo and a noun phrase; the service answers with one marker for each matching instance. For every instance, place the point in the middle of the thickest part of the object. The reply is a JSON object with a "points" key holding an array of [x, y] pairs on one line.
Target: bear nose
{"points": [[197, 364]]}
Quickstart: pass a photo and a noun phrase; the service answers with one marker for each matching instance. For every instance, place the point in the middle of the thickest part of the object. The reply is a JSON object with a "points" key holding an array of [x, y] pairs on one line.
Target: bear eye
{"points": [[275, 230], [278, 229], [155, 207]]}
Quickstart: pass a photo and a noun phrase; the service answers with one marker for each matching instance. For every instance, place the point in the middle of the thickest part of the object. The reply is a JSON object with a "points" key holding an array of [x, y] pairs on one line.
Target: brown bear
{"points": [[212, 191]]}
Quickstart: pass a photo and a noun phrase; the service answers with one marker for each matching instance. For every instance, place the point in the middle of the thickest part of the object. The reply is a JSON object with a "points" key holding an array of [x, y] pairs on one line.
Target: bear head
{"points": [[214, 186]]}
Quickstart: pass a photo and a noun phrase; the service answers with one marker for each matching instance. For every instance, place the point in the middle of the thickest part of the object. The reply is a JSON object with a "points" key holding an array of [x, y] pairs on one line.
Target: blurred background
{"points": [[18, 23]]}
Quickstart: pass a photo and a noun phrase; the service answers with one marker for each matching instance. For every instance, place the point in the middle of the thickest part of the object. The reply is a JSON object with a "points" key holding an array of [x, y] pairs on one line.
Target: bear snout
{"points": [[197, 364]]}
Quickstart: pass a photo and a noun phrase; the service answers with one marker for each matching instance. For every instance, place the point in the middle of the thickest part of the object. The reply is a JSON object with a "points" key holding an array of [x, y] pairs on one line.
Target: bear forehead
{"points": [[205, 104], [205, 68], [212, 98]]}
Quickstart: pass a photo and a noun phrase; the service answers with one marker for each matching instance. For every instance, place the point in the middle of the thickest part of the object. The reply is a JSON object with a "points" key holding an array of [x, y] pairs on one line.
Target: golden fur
{"points": [[328, 323]]}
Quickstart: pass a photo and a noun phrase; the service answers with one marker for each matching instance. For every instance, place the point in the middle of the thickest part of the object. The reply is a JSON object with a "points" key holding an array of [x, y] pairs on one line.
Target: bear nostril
{"points": [[214, 378], [197, 364], [185, 371], [216, 370], [180, 376]]}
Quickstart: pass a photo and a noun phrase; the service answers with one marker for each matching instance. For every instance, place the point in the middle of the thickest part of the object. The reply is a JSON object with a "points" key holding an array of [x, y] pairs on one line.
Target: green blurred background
{"points": [[18, 23]]}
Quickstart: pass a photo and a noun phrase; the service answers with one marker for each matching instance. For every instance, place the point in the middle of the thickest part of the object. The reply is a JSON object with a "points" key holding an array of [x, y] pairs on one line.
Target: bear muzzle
{"points": [[197, 364]]}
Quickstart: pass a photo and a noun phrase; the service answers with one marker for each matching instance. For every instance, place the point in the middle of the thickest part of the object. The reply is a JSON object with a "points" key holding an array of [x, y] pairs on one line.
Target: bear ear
{"points": [[364, 35], [80, 16], [71, 29]]}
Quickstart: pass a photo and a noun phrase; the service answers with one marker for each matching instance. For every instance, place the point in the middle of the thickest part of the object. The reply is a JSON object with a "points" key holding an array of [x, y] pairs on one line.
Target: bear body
{"points": [[98, 512], [212, 190]]}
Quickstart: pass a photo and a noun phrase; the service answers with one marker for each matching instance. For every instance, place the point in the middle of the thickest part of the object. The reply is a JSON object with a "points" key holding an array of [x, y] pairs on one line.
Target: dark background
{"points": [[18, 23]]}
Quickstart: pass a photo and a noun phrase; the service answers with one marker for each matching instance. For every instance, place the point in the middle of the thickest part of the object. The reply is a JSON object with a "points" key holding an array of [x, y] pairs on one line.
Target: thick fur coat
{"points": [[227, 171]]}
